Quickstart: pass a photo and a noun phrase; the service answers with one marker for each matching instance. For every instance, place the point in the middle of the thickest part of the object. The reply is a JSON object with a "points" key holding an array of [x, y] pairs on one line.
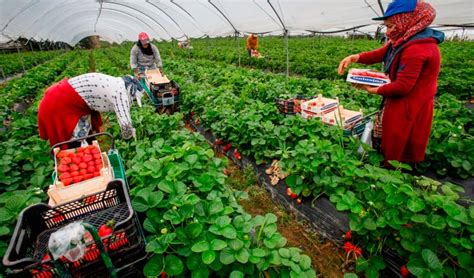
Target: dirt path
{"points": [[326, 257]]}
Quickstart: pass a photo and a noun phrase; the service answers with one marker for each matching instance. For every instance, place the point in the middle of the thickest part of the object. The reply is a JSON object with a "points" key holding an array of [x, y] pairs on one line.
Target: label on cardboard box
{"points": [[367, 77], [319, 106]]}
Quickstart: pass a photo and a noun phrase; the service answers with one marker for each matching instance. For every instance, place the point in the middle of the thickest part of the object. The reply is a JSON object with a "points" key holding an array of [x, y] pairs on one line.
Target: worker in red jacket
{"points": [[71, 108], [412, 61]]}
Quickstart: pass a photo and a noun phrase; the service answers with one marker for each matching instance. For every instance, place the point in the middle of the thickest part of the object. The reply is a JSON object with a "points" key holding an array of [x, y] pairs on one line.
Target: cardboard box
{"points": [[343, 117], [319, 106], [367, 77], [155, 77], [60, 193]]}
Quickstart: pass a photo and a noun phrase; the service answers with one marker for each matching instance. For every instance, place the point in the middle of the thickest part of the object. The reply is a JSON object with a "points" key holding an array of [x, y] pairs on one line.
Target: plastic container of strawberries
{"points": [[26, 252]]}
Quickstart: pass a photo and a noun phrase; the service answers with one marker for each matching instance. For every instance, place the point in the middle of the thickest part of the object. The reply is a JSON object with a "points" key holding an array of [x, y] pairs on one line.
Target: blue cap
{"points": [[398, 7]]}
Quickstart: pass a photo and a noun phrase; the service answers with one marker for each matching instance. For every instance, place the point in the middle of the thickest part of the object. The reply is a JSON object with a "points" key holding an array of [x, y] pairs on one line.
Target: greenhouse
{"points": [[237, 138]]}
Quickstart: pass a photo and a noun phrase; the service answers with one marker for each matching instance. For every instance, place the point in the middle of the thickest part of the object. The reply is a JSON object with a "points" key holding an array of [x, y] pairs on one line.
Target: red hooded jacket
{"points": [[60, 110], [409, 99]]}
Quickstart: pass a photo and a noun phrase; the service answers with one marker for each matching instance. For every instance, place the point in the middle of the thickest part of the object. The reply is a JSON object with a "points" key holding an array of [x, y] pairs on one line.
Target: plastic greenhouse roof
{"points": [[117, 21]]}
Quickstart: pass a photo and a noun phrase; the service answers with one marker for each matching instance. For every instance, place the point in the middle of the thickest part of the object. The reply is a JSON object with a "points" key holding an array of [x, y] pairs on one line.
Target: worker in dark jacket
{"points": [[145, 55], [412, 61]]}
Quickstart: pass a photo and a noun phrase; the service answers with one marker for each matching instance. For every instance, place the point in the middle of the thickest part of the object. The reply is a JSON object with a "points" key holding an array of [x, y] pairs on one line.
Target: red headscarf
{"points": [[409, 24]]}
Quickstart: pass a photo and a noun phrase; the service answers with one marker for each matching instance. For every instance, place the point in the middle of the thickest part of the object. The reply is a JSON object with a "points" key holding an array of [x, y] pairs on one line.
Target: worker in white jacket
{"points": [[145, 55]]}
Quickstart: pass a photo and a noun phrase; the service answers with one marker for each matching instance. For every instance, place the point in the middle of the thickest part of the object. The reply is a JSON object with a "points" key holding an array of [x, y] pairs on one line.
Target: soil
{"points": [[327, 258]]}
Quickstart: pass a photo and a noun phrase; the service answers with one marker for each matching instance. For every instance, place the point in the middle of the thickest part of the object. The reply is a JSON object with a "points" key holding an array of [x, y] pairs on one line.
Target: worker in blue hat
{"points": [[411, 59]]}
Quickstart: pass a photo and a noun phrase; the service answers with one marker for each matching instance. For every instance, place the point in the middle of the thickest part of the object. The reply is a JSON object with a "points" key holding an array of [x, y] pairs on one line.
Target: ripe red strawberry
{"points": [[66, 160], [57, 217], [95, 151], [91, 163], [98, 162], [92, 253], [349, 247], [107, 228], [96, 156], [73, 167], [74, 173], [237, 154], [88, 176], [404, 271], [77, 179], [87, 158], [76, 160], [348, 235], [227, 147], [90, 199], [64, 176], [96, 174], [63, 168], [91, 169], [82, 165], [67, 181]]}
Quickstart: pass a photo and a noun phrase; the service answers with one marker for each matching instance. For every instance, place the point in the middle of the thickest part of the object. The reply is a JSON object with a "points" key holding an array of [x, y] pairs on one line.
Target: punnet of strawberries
{"points": [[76, 165]]}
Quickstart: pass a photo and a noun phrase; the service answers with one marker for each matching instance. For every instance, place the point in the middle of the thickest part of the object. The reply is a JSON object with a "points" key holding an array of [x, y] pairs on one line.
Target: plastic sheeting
{"points": [[116, 20]]}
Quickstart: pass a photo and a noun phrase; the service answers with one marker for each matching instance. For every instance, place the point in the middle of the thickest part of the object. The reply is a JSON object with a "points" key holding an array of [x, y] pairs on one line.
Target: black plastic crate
{"points": [[167, 94], [290, 106], [28, 245]]}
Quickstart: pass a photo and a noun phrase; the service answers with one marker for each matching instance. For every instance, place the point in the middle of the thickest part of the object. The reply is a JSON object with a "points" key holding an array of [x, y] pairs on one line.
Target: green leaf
{"points": [[173, 265], [154, 266], [200, 273], [418, 218], [201, 246], [275, 258], [436, 222], [227, 256], [193, 230], [236, 274], [208, 256], [431, 259], [236, 244], [229, 232], [350, 275], [284, 253], [191, 159], [369, 224], [242, 256], [217, 244], [4, 231], [258, 252], [467, 165], [416, 205], [305, 262]]}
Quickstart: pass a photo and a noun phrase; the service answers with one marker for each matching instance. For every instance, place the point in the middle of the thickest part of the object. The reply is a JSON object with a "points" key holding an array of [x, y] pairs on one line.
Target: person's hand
{"points": [[368, 88], [344, 64]]}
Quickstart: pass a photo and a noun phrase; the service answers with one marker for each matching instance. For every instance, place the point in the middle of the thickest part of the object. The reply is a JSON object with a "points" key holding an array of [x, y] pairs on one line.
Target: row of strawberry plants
{"points": [[12, 63], [195, 225], [450, 145], [417, 217], [318, 57], [22, 89]]}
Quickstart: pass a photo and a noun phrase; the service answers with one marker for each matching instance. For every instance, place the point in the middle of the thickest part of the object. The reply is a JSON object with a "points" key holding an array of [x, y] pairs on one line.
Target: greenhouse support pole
{"points": [[236, 34], [21, 58], [287, 58]]}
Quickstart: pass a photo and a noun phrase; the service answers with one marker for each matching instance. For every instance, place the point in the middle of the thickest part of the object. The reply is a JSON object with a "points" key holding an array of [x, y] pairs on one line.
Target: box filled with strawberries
{"points": [[367, 77], [78, 172]]}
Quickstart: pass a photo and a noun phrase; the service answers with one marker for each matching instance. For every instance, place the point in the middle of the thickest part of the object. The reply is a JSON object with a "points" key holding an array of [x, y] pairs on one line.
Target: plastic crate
{"points": [[28, 245], [290, 106]]}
